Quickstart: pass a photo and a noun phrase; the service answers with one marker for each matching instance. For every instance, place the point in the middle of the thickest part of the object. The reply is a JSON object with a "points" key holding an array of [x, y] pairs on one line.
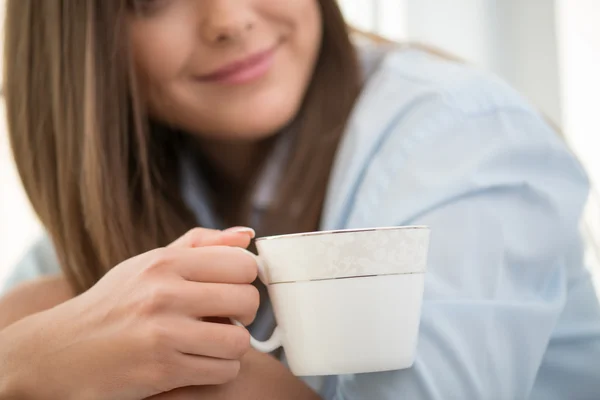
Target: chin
{"points": [[260, 122], [250, 119], [257, 129]]}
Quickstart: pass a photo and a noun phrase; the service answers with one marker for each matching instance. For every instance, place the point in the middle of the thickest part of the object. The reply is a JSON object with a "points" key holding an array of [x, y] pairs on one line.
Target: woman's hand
{"points": [[140, 330]]}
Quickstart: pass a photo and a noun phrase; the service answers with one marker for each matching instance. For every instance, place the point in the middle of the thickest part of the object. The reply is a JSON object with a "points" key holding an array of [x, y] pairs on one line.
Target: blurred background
{"points": [[548, 49]]}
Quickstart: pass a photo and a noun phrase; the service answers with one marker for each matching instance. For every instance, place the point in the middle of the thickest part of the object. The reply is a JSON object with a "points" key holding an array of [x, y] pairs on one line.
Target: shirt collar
{"points": [[195, 191]]}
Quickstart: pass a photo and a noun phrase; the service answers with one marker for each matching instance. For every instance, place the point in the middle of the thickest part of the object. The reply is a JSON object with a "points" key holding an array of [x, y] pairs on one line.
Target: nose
{"points": [[226, 21]]}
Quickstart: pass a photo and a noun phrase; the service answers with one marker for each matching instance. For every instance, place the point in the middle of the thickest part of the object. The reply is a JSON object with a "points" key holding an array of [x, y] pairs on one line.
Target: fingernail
{"points": [[242, 229]]}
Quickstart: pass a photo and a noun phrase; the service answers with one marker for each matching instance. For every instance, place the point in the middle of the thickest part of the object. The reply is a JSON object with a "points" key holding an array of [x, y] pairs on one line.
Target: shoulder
{"points": [[417, 101], [416, 74], [427, 130], [413, 97]]}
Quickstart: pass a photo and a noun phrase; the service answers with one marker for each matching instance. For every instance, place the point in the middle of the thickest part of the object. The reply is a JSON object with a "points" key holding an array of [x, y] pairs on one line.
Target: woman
{"points": [[134, 122]]}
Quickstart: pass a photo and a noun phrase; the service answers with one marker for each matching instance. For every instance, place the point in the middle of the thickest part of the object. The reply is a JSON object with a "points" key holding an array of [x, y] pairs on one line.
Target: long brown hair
{"points": [[102, 181]]}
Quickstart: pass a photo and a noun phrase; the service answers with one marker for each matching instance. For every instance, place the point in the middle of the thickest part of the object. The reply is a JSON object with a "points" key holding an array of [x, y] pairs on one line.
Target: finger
{"points": [[199, 338], [215, 264], [199, 371], [185, 371], [200, 237], [235, 239], [197, 237], [200, 300], [184, 393]]}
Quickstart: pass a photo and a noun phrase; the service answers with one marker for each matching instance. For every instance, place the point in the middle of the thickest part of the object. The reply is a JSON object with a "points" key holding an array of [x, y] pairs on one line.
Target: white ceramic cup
{"points": [[345, 301]]}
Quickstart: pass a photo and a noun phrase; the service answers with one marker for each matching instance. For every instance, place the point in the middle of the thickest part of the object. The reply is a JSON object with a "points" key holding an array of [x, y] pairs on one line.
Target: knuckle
{"points": [[228, 372], [253, 298], [209, 372], [251, 272], [241, 265], [196, 236], [238, 341], [159, 342], [249, 301], [157, 299], [158, 260], [247, 267]]}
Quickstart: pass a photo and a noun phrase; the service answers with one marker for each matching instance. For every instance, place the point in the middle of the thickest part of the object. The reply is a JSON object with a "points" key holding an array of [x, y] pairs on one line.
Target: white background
{"points": [[548, 49]]}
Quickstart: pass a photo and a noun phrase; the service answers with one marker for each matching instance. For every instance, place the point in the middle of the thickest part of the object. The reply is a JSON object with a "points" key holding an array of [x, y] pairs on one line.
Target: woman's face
{"points": [[230, 69]]}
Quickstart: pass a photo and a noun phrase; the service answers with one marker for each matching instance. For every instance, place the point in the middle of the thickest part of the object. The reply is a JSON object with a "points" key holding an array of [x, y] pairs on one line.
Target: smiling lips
{"points": [[243, 71]]}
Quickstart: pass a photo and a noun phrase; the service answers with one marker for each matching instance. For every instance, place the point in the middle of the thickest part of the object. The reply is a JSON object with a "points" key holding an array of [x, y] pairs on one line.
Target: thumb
{"points": [[202, 237]]}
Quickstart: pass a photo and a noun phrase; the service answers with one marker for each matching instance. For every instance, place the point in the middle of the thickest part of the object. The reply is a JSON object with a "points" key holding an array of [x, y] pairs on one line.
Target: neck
{"points": [[233, 165]]}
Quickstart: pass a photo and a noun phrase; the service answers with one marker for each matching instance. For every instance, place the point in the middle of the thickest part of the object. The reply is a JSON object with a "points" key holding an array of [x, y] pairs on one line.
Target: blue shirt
{"points": [[509, 309]]}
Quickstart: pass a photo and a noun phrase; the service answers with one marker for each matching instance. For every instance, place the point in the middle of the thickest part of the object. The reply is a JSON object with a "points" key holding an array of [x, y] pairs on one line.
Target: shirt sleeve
{"points": [[503, 197], [40, 260]]}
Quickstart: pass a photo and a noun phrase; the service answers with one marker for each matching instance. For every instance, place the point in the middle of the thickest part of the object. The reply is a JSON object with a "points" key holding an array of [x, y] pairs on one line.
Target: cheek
{"points": [[304, 16], [307, 37], [160, 52], [301, 19], [309, 19]]}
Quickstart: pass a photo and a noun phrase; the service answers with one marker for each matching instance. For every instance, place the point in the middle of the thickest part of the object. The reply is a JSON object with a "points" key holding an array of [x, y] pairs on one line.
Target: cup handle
{"points": [[269, 345], [274, 342]]}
